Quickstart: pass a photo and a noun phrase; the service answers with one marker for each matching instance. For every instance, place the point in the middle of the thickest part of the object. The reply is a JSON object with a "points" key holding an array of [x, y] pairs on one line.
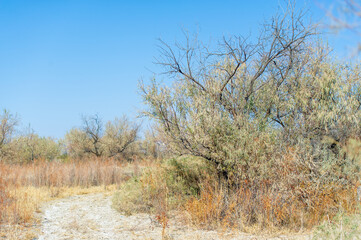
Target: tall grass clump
{"points": [[277, 118]]}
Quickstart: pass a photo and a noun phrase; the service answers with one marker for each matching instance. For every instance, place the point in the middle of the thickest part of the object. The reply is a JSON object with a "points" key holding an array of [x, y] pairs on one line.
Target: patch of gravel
{"points": [[91, 217]]}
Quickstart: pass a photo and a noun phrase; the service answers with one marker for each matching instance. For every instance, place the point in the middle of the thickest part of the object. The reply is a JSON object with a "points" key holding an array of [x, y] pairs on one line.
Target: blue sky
{"points": [[62, 59]]}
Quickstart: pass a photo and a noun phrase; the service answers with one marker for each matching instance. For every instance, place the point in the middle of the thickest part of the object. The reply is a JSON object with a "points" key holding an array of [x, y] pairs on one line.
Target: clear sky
{"points": [[62, 59]]}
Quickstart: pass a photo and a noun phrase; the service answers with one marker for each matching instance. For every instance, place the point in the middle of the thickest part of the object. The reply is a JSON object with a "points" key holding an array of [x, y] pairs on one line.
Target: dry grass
{"points": [[73, 173], [288, 201], [24, 187]]}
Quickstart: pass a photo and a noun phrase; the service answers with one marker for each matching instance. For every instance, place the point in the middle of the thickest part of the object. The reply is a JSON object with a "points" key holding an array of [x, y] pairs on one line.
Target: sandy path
{"points": [[91, 217]]}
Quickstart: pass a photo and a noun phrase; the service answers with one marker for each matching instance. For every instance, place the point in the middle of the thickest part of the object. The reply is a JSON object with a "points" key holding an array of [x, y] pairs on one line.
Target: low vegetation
{"points": [[163, 185]]}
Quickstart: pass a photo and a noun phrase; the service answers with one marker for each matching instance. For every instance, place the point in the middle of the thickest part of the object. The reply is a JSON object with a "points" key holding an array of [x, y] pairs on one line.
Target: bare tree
{"points": [[221, 92], [120, 134], [116, 140], [93, 128]]}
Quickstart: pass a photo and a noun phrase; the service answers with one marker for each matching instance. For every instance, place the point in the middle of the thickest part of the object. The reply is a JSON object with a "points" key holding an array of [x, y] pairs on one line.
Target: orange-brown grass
{"points": [[73, 173], [288, 200], [7, 202], [23, 187]]}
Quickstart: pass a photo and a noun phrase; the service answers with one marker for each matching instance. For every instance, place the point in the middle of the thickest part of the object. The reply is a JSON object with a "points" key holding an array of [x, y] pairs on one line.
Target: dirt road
{"points": [[91, 217]]}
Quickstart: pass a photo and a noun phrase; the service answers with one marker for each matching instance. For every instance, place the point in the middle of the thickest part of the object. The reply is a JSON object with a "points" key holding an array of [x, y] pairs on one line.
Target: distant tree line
{"points": [[25, 147], [117, 139]]}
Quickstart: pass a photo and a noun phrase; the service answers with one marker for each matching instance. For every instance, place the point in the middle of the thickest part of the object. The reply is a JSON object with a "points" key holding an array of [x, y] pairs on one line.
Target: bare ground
{"points": [[91, 217]]}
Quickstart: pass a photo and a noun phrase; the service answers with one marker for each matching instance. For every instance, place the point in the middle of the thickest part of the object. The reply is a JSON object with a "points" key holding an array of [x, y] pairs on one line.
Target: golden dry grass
{"points": [[276, 205], [273, 205], [24, 188]]}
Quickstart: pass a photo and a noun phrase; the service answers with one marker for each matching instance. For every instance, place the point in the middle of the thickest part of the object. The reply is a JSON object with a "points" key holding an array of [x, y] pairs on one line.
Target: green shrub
{"points": [[186, 174], [165, 185]]}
